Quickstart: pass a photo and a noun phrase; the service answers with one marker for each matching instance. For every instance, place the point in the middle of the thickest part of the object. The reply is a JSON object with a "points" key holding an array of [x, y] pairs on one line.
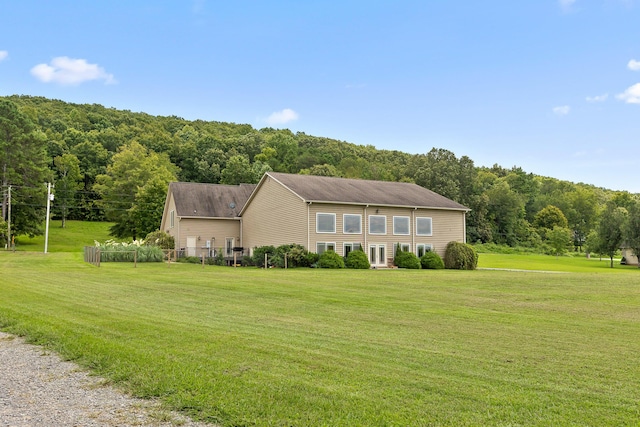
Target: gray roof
{"points": [[326, 189], [209, 200]]}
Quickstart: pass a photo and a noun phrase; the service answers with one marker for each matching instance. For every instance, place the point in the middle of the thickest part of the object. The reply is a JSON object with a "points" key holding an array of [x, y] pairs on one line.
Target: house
{"points": [[204, 218], [628, 255], [320, 213]]}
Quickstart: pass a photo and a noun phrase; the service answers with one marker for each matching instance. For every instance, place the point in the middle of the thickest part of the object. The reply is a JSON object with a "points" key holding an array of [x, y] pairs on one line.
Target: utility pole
{"points": [[9, 219], [46, 233]]}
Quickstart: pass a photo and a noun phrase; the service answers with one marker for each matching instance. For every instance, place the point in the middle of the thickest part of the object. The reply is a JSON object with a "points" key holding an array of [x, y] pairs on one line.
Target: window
{"points": [[348, 247], [325, 223], [323, 246], [352, 224], [405, 247], [423, 248], [401, 225], [172, 215], [377, 224], [423, 226]]}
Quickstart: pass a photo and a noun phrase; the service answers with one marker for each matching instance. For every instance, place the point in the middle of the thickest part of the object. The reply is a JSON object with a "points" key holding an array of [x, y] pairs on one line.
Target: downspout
{"points": [[413, 232], [365, 231], [309, 226], [464, 227]]}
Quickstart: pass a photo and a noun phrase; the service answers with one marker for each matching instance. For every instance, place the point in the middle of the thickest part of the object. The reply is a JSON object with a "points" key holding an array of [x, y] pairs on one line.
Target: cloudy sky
{"points": [[552, 86]]}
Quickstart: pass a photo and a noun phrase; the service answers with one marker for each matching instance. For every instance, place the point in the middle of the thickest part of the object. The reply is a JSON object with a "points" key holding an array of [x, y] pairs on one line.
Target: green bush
{"points": [[330, 259], [160, 239], [432, 261], [259, 252], [357, 259], [297, 256], [405, 259], [124, 252], [460, 256]]}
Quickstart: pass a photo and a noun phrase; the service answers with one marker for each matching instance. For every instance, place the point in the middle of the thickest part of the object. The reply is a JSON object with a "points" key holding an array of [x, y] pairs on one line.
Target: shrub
{"points": [[357, 259], [160, 239], [460, 256], [330, 259], [405, 259], [259, 253], [112, 251], [432, 261], [297, 256]]}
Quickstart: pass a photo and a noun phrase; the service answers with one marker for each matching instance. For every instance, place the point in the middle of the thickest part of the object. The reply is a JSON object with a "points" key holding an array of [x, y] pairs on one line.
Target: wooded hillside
{"points": [[115, 164]]}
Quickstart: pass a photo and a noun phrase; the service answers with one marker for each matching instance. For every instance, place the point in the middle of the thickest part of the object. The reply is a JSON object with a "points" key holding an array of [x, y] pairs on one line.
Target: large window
{"points": [[423, 248], [401, 225], [352, 224], [325, 223], [324, 246], [423, 226], [377, 224]]}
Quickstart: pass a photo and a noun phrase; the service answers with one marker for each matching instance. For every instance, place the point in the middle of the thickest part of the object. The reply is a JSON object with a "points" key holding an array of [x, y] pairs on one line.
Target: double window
{"points": [[325, 246], [349, 247], [423, 248]]}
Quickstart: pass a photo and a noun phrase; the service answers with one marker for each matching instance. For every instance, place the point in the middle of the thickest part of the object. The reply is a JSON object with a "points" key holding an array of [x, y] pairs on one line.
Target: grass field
{"points": [[75, 236], [343, 348]]}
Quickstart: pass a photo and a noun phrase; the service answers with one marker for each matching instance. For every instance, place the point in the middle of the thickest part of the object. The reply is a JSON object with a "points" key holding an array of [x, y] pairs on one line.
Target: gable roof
{"points": [[209, 200], [325, 189]]}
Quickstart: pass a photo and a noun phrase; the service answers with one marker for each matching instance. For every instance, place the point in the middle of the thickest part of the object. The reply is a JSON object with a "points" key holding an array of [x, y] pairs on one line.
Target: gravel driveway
{"points": [[37, 388]]}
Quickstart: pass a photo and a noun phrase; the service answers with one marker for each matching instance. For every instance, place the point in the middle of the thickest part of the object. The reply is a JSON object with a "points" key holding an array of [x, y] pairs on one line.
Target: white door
{"points": [[377, 255], [191, 245], [230, 243]]}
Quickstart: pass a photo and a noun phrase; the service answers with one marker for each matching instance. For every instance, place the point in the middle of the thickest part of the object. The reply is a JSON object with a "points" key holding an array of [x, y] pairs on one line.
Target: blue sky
{"points": [[552, 86]]}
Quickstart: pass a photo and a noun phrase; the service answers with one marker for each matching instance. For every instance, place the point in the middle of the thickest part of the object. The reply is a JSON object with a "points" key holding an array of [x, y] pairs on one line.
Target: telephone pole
{"points": [[46, 233], [9, 219]]}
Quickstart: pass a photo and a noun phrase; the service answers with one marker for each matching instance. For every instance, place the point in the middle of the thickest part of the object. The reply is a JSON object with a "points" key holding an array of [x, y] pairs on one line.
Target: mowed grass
{"points": [[305, 347], [73, 238], [580, 264]]}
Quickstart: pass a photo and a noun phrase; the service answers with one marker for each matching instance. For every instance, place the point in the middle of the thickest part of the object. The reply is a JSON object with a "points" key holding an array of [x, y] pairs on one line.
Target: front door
{"points": [[377, 255]]}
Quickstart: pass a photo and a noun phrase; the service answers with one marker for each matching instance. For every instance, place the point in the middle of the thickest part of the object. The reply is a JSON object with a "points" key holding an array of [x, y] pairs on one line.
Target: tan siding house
{"points": [[203, 218], [319, 213], [327, 213]]}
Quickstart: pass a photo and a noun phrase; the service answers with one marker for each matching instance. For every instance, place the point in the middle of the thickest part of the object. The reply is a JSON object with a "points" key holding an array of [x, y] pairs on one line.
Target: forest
{"points": [[115, 165]]}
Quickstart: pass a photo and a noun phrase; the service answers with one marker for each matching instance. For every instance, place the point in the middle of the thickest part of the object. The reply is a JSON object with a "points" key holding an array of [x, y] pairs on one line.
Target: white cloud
{"points": [[634, 65], [3, 55], [597, 98], [565, 5], [562, 110], [281, 117], [69, 71], [631, 95]]}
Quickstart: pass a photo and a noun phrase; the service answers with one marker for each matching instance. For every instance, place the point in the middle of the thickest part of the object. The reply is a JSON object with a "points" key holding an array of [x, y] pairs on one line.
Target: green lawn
{"points": [[73, 238], [552, 263], [311, 347]]}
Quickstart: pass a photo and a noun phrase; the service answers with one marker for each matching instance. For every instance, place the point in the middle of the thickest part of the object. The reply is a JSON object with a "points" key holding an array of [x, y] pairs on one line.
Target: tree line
{"points": [[115, 165]]}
